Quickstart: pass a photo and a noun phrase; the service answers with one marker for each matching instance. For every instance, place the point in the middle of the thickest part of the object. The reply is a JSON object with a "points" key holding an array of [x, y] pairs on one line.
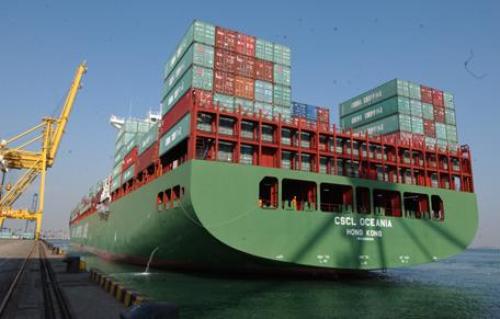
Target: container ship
{"points": [[234, 176]]}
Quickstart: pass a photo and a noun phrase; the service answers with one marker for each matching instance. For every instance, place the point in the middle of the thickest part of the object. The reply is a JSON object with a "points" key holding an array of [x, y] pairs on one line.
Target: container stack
{"points": [[404, 110], [311, 113], [127, 148], [231, 69]]}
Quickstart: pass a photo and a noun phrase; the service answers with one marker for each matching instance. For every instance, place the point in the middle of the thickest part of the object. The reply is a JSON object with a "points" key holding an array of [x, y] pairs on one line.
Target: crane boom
{"points": [[36, 163], [65, 112]]}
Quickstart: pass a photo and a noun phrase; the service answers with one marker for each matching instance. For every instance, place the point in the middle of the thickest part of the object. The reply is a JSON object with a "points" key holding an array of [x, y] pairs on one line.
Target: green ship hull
{"points": [[218, 224]]}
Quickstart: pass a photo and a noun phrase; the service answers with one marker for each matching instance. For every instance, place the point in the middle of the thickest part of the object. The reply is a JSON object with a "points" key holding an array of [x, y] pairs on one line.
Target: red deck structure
{"points": [[233, 135]]}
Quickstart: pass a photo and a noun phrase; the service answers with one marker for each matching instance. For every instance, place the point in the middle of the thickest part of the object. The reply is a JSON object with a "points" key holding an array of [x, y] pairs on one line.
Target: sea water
{"points": [[464, 286]]}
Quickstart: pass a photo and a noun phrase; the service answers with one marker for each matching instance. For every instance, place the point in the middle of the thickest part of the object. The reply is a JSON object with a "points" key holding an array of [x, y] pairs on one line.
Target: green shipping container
{"points": [[266, 108], [132, 143], [285, 112], [195, 77], [397, 104], [124, 139], [414, 91], [451, 134], [119, 155], [282, 55], [224, 101], [449, 101], [282, 75], [380, 93], [427, 111], [197, 54], [115, 183], [430, 141], [175, 135], [441, 143], [417, 125], [263, 91], [148, 139], [384, 126], [441, 131], [415, 108], [282, 95], [198, 32], [117, 169], [449, 117], [390, 124], [264, 50], [128, 174], [246, 105], [404, 123], [403, 87]]}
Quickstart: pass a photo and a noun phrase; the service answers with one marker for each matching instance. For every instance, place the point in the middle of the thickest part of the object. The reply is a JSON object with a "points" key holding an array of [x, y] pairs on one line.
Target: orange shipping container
{"points": [[225, 60], [225, 39], [439, 115], [203, 98], [224, 83], [245, 44], [245, 66], [426, 94], [323, 115], [437, 98], [244, 87], [263, 70]]}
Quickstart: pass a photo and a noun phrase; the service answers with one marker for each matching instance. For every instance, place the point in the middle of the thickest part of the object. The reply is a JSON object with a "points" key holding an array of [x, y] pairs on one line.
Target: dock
{"points": [[34, 283]]}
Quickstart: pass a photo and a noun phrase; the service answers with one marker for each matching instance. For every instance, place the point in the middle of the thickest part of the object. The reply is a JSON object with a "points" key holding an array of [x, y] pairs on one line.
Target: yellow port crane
{"points": [[15, 155]]}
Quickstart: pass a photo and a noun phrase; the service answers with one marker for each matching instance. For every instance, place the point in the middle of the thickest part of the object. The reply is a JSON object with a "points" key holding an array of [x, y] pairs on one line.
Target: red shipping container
{"points": [[224, 82], [323, 115], [245, 44], [437, 98], [225, 39], [178, 111], [263, 70], [429, 128], [129, 159], [426, 94], [225, 60], [147, 157], [404, 137], [439, 114], [203, 98], [245, 66], [244, 87]]}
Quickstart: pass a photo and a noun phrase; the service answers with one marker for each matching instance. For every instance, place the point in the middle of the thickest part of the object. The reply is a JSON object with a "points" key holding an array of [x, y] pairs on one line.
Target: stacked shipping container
{"points": [[311, 113], [133, 139], [231, 69], [403, 109]]}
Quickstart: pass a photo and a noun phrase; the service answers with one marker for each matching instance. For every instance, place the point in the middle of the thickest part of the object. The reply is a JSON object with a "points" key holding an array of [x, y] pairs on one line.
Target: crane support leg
{"points": [[43, 173], [2, 219]]}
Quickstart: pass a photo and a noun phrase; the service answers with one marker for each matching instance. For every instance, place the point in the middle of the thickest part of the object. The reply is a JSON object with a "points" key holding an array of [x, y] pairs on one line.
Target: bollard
{"points": [[72, 264], [83, 265]]}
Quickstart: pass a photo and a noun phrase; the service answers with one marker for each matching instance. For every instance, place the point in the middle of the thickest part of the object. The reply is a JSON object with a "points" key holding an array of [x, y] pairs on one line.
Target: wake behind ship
{"points": [[233, 175]]}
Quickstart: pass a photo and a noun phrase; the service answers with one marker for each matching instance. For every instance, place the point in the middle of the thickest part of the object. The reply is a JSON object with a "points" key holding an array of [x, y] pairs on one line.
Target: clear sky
{"points": [[338, 48]]}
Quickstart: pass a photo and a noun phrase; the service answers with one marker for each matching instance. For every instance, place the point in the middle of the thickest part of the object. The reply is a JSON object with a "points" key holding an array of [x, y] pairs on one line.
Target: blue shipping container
{"points": [[299, 109], [311, 112]]}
